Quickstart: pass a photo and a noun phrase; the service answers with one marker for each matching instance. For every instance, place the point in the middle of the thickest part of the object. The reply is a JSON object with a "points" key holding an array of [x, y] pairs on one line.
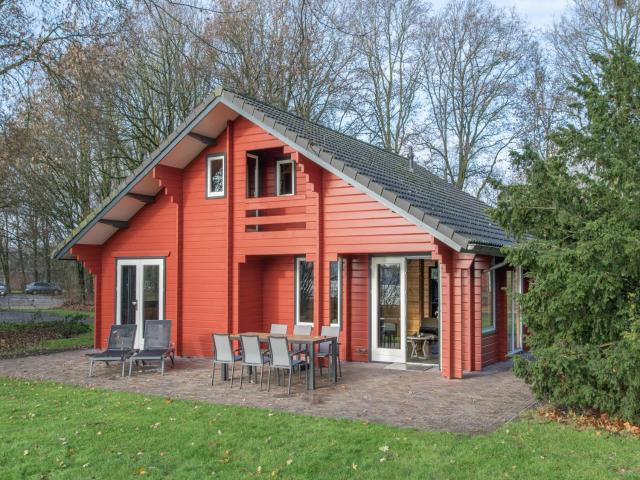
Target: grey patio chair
{"points": [[324, 348], [300, 348], [119, 348], [223, 354], [252, 356], [282, 359], [279, 328], [157, 344], [276, 329]]}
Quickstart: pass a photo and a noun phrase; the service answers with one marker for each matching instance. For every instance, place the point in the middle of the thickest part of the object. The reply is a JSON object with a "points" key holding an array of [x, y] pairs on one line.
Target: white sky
{"points": [[540, 13]]}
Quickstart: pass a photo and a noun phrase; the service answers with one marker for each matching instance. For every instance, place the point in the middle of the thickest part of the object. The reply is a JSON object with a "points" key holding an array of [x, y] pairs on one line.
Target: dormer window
{"points": [[285, 177], [215, 176]]}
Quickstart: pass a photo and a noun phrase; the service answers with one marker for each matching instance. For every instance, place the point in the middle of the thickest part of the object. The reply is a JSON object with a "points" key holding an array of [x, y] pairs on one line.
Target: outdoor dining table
{"points": [[310, 341]]}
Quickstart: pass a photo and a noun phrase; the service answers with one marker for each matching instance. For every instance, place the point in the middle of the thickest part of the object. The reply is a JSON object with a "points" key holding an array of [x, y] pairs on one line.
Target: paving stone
{"points": [[419, 399]]}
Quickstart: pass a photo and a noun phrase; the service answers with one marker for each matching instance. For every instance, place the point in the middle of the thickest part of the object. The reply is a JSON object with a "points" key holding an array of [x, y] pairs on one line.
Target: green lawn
{"points": [[52, 431], [63, 312]]}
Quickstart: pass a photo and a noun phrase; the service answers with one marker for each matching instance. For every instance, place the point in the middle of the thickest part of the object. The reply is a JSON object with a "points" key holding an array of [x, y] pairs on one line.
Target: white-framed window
{"points": [[253, 176], [488, 301], [216, 178], [304, 291], [285, 177], [335, 292]]}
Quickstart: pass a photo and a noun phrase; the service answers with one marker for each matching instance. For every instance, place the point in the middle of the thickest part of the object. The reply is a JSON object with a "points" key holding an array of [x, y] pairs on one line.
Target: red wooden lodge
{"points": [[248, 215]]}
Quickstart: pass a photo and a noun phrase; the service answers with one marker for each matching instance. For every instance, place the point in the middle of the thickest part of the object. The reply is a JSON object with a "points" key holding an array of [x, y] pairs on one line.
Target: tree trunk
{"points": [[21, 264], [81, 283], [34, 249], [4, 251], [47, 253]]}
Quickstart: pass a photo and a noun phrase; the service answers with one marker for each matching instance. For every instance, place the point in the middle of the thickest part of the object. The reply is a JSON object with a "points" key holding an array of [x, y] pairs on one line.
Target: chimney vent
{"points": [[411, 158]]}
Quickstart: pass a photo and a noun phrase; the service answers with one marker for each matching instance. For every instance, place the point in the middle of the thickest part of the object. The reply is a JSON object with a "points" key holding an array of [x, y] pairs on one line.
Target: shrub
{"points": [[576, 218]]}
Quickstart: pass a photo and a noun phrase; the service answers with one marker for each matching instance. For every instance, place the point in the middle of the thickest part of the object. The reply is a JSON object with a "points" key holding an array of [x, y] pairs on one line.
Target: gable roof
{"points": [[451, 215]]}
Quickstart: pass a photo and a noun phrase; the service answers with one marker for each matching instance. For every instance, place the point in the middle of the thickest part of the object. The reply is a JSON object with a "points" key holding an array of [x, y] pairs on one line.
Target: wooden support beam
{"points": [[203, 138], [142, 198], [114, 223]]}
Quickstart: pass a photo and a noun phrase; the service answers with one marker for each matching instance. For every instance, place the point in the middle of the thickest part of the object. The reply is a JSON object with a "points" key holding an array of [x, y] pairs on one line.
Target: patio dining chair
{"points": [[119, 348], [224, 354], [324, 348], [252, 356], [301, 348], [276, 329], [157, 345], [279, 328], [282, 359]]}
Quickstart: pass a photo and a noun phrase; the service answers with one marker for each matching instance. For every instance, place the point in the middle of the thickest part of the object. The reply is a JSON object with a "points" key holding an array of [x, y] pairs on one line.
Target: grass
{"points": [[56, 431], [69, 314], [32, 338]]}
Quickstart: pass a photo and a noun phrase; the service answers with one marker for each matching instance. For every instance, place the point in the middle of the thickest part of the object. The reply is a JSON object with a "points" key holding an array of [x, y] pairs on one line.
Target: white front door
{"points": [[388, 309], [139, 293]]}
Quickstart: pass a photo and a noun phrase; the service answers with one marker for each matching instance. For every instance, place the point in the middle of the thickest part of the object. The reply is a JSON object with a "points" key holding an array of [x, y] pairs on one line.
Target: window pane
{"points": [[151, 289], [253, 176], [127, 294], [216, 176], [334, 292], [434, 292], [389, 306], [305, 292], [487, 300], [285, 186]]}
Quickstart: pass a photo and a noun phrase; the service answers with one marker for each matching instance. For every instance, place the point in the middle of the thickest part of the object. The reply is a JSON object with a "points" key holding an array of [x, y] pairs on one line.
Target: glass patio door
{"points": [[139, 293], [388, 309], [514, 316]]}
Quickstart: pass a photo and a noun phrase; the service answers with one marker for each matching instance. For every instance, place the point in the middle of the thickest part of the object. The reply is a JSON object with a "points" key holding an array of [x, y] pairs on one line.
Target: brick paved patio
{"points": [[367, 391]]}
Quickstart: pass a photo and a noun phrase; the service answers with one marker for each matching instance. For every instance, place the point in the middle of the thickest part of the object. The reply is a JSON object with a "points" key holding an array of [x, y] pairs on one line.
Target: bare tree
{"points": [[290, 53], [159, 75], [35, 35], [473, 57], [591, 27], [388, 71]]}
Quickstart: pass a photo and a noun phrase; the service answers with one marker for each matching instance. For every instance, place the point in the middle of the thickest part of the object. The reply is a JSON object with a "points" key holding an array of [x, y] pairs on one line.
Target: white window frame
{"points": [[492, 283], [256, 174], [210, 159], [297, 292], [519, 281], [279, 164], [339, 262]]}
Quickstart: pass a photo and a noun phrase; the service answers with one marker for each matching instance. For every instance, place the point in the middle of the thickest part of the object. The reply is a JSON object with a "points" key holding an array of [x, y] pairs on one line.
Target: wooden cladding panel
{"points": [[152, 229], [205, 242]]}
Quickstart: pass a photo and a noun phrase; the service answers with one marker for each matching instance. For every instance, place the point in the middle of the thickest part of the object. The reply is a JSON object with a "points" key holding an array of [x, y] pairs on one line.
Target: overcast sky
{"points": [[540, 13]]}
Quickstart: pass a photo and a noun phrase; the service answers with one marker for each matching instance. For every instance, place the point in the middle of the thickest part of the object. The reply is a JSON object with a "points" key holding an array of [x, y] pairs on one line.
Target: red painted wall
{"points": [[151, 233], [229, 278]]}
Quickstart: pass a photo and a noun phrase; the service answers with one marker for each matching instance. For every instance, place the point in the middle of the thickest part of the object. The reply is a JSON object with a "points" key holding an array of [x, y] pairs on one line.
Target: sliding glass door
{"points": [[388, 315]]}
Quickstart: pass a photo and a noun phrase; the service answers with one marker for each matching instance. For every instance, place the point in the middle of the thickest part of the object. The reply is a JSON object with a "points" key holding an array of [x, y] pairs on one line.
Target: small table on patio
{"points": [[310, 341], [420, 341]]}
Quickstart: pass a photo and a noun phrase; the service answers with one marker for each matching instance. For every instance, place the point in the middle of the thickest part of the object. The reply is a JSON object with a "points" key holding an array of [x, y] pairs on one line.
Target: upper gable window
{"points": [[285, 177], [215, 176]]}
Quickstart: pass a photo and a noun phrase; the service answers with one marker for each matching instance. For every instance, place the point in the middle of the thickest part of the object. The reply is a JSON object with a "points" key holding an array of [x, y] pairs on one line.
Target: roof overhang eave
{"points": [[481, 249], [61, 253]]}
